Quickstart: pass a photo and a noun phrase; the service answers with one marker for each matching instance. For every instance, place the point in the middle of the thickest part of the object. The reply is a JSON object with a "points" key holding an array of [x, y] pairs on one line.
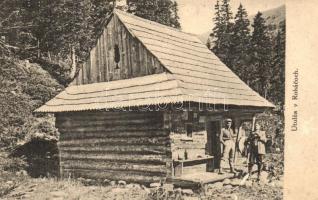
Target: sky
{"points": [[196, 15]]}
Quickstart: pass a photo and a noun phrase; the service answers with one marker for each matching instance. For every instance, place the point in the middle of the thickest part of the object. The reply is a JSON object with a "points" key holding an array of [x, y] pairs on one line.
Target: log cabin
{"points": [[148, 101]]}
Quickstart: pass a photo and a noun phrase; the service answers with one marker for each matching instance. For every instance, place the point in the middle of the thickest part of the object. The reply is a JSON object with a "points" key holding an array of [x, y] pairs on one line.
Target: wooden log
{"points": [[131, 158], [85, 118], [109, 129], [121, 122], [112, 175], [119, 128], [83, 135], [108, 165], [144, 149], [160, 141]]}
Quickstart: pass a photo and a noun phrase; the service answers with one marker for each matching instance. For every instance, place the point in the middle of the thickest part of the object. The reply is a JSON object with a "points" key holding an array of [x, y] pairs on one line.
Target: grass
{"points": [[16, 185]]}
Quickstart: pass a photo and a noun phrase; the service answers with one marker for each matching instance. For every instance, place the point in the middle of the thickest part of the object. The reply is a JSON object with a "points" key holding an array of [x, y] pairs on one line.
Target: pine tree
{"points": [[277, 90], [217, 29], [161, 11], [240, 49], [222, 32], [174, 19], [99, 13], [260, 69]]}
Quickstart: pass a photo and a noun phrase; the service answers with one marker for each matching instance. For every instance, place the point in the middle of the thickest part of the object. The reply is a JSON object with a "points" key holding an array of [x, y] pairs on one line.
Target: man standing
{"points": [[227, 140], [256, 142]]}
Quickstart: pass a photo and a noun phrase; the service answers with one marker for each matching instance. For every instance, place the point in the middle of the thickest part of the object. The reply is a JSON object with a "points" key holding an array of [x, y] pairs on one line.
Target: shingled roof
{"points": [[195, 75]]}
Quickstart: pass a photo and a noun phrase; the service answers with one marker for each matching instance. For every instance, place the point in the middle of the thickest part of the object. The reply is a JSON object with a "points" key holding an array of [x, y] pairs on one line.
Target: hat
{"points": [[228, 120]]}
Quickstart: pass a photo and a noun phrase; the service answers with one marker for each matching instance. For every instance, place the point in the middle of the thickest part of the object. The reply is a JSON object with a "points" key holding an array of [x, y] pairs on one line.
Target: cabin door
{"points": [[213, 143]]}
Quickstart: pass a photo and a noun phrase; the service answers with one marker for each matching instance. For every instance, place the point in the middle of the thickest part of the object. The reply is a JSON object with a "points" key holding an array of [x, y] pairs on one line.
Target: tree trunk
{"points": [[73, 69]]}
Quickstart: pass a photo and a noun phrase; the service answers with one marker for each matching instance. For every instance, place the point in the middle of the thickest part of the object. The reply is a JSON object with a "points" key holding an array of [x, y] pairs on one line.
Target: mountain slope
{"points": [[273, 18]]}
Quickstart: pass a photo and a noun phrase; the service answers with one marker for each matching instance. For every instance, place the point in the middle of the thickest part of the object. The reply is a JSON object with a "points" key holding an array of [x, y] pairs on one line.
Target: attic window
{"points": [[117, 55]]}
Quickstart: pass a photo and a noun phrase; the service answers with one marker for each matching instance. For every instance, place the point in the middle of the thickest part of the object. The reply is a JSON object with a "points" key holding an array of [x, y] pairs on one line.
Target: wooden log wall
{"points": [[130, 146], [135, 59]]}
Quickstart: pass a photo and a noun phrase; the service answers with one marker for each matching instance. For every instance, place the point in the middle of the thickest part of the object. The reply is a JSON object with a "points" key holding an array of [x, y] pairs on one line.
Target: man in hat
{"points": [[256, 142], [227, 139]]}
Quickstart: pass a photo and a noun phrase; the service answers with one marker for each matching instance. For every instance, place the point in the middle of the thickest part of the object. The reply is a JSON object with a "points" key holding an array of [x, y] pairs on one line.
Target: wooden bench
{"points": [[178, 165]]}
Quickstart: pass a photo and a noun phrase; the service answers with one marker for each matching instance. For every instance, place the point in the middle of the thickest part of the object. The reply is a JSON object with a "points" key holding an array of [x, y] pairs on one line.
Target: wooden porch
{"points": [[196, 180]]}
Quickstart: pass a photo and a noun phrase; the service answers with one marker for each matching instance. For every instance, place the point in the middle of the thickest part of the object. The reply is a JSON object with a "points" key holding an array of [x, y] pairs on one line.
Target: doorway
{"points": [[213, 143]]}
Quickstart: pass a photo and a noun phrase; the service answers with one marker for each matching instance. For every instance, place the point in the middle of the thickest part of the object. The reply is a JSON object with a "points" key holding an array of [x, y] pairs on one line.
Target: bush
{"points": [[12, 164], [41, 154], [273, 125], [23, 88]]}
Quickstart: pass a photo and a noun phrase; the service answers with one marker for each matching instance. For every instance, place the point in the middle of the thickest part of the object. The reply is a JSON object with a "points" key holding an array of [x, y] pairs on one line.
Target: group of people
{"points": [[255, 145]]}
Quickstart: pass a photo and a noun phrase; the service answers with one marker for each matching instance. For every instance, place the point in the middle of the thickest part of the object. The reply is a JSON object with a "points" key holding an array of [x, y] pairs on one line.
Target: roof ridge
{"points": [[153, 22]]}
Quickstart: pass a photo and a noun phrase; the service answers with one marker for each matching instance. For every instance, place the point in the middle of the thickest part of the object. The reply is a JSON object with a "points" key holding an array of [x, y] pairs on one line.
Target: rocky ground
{"points": [[49, 188], [18, 185]]}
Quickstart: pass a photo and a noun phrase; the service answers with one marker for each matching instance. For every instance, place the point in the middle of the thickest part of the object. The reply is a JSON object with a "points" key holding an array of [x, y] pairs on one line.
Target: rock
{"points": [[57, 198], [21, 173], [155, 185], [227, 187], [263, 178], [168, 187], [82, 180], [57, 194], [235, 182], [133, 185], [145, 189], [89, 181], [122, 183], [272, 184], [234, 197], [178, 190], [187, 192], [9, 182], [226, 181], [277, 184], [190, 198], [113, 183], [248, 183], [31, 190], [216, 185], [26, 196], [106, 182], [93, 188]]}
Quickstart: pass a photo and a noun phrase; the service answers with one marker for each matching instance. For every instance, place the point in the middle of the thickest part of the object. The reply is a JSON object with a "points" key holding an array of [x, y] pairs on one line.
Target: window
{"points": [[116, 55]]}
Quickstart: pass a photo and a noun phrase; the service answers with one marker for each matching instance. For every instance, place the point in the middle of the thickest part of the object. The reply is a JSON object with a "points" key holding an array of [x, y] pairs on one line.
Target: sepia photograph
{"points": [[143, 99]]}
